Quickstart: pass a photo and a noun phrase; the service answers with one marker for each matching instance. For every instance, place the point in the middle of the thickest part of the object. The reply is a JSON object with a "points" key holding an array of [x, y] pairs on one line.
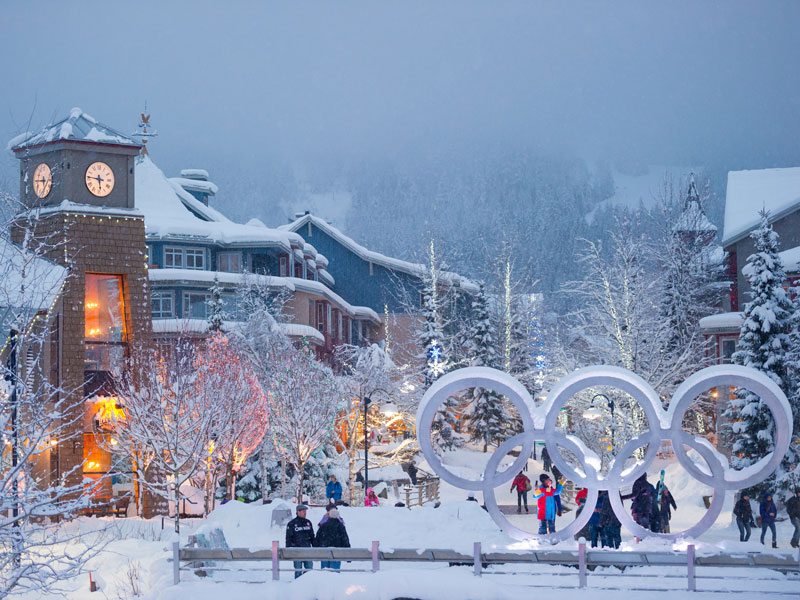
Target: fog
{"points": [[316, 95]]}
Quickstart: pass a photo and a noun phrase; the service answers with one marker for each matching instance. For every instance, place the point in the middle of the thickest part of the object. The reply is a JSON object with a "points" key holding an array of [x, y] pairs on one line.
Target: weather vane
{"points": [[142, 133]]}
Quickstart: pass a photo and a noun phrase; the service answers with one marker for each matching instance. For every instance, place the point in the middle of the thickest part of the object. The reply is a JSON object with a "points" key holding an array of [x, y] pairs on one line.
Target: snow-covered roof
{"points": [[173, 213], [78, 126], [196, 185], [791, 259], [200, 326], [726, 321], [394, 264], [67, 206], [776, 190], [28, 283], [291, 284]]}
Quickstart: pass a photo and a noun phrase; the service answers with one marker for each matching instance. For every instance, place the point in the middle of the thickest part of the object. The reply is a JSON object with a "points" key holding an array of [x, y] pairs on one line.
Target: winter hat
{"points": [[300, 507], [333, 513], [544, 477]]}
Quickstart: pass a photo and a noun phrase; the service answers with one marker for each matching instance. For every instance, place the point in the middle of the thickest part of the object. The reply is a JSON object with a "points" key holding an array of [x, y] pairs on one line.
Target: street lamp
{"points": [[593, 413]]}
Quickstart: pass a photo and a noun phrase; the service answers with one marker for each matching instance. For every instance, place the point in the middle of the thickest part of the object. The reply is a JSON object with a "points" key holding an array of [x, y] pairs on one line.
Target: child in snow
{"points": [[371, 499], [767, 510], [663, 507], [545, 495]]}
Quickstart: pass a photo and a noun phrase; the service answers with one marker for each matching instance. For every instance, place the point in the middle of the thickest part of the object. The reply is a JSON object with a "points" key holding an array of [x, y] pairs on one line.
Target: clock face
{"points": [[42, 180], [100, 179]]}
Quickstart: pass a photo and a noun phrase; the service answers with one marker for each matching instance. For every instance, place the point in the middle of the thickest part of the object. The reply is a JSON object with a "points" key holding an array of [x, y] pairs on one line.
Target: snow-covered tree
{"points": [[216, 307], [166, 411], [368, 372], [37, 418], [486, 417], [305, 398], [765, 345], [226, 376]]}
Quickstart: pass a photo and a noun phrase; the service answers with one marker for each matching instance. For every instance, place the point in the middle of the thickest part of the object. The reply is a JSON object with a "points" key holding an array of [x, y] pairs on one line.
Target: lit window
{"points": [[728, 348], [229, 262], [104, 322], [195, 305], [162, 305]]}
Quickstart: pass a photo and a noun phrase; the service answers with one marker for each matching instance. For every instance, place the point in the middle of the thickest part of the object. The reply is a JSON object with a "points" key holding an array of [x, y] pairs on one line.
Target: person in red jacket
{"points": [[523, 486]]}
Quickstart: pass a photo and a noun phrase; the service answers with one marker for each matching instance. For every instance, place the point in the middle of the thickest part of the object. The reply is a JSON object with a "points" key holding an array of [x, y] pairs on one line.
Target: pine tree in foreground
{"points": [[216, 313], [764, 344]]}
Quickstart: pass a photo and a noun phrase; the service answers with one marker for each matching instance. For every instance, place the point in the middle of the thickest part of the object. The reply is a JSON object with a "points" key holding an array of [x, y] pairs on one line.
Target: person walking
{"points": [[546, 504], [767, 510], [793, 508], [642, 495], [300, 534], [333, 490], [609, 524], [332, 534], [547, 464], [412, 473], [371, 499], [665, 503], [744, 516], [523, 486], [595, 530]]}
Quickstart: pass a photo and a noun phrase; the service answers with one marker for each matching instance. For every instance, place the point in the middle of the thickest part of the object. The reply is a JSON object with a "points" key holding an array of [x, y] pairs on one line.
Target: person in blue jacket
{"points": [[333, 490], [767, 510], [545, 495]]}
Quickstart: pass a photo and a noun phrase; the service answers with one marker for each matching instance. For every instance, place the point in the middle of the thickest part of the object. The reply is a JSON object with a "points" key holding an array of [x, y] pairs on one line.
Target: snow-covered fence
{"points": [[427, 490], [583, 560]]}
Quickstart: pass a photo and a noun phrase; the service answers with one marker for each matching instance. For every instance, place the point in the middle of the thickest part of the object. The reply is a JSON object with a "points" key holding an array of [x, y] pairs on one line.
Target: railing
{"points": [[427, 490], [582, 559]]}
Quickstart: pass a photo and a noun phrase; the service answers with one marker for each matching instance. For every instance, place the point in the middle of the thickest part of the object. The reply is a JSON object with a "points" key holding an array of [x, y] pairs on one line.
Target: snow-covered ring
{"points": [[539, 424]]}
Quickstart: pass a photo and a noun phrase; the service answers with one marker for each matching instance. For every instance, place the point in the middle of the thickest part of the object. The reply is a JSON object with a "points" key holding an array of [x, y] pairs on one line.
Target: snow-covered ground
{"points": [[143, 548]]}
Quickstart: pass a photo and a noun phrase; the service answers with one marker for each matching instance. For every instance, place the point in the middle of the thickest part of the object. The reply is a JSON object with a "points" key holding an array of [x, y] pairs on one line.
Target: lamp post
{"points": [[593, 413], [367, 402]]}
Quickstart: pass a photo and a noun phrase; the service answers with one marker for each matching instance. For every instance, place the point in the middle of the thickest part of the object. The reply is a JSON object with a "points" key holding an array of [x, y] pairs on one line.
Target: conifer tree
{"points": [[216, 312], [486, 418], [764, 344]]}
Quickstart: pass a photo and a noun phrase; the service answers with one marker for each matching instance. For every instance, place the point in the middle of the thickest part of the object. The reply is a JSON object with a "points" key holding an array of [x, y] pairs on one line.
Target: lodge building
{"points": [[134, 256]]}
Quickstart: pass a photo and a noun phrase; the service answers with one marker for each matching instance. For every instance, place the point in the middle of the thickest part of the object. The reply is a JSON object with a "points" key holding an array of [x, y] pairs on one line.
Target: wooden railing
{"points": [[582, 559], [426, 490]]}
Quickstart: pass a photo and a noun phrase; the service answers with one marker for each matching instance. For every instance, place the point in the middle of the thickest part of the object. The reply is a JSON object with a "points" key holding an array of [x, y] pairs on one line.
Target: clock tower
{"points": [[77, 195]]}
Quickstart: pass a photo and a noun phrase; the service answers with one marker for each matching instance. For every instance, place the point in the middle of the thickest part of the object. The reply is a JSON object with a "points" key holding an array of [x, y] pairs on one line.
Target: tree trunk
{"points": [[177, 492], [351, 480], [300, 482], [262, 459]]}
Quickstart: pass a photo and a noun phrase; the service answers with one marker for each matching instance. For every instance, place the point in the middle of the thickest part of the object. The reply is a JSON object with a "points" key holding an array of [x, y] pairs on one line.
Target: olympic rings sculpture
{"points": [[539, 424]]}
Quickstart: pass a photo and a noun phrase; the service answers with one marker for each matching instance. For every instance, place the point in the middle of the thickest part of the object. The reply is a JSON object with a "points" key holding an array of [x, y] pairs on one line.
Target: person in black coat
{"points": [[300, 534], [643, 496], [793, 508], [744, 516], [664, 508], [610, 527], [332, 534]]}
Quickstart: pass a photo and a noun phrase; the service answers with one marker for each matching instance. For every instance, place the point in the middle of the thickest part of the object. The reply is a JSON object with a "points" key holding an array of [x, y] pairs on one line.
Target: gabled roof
{"points": [[173, 213], [393, 264], [78, 126], [776, 190]]}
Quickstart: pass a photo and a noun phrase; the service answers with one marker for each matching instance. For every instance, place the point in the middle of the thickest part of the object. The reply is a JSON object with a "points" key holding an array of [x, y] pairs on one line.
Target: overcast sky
{"points": [[233, 84]]}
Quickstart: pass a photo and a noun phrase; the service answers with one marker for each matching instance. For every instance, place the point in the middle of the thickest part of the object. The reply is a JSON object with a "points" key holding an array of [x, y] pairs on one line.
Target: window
{"points": [[195, 305], [298, 270], [321, 317], [184, 258], [195, 258], [162, 305], [173, 258], [728, 348], [104, 322], [339, 330], [284, 266], [229, 262], [329, 320]]}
